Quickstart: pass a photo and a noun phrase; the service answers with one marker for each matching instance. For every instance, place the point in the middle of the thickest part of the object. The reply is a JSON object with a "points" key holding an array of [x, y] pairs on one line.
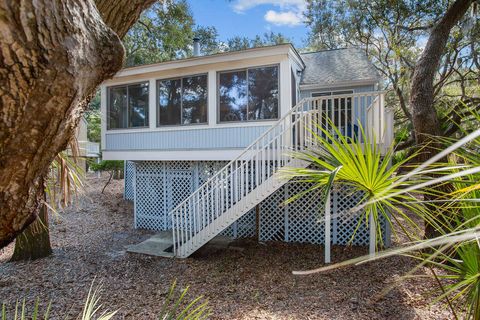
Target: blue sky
{"points": [[251, 17]]}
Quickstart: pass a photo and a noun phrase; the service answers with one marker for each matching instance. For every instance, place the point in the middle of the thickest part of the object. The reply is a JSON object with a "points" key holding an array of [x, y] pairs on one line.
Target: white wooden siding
{"points": [[208, 138]]}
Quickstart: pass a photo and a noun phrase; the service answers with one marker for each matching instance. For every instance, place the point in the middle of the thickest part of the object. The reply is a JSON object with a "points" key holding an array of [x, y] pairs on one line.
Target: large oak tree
{"points": [[53, 55]]}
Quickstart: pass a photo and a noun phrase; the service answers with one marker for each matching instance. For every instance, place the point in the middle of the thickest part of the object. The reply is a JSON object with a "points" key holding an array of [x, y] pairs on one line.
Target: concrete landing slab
{"points": [[161, 245], [155, 245]]}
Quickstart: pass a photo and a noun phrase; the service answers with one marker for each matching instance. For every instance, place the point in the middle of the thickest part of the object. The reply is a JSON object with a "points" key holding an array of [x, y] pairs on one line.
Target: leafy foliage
{"points": [[172, 308], [162, 33], [393, 34], [21, 313], [108, 165], [268, 39]]}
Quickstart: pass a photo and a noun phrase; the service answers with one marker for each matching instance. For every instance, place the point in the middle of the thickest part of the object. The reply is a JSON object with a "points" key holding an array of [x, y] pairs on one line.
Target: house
{"points": [[204, 137], [86, 149]]}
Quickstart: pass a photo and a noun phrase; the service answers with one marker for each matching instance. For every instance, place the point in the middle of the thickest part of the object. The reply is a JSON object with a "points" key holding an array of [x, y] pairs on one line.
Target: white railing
{"points": [[251, 177]]}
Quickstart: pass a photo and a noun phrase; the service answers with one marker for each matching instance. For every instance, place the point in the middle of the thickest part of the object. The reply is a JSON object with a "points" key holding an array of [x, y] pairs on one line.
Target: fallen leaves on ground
{"points": [[89, 242]]}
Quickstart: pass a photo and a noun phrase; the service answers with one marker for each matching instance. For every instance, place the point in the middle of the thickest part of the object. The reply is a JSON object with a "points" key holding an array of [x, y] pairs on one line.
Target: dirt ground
{"points": [[89, 242]]}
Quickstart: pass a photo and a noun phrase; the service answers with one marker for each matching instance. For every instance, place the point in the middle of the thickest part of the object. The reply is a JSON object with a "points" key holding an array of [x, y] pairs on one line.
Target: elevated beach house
{"points": [[203, 140]]}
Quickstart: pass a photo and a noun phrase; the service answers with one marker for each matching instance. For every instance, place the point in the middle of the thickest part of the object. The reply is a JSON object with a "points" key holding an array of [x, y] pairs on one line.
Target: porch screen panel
{"points": [[117, 108], [263, 93], [169, 101], [194, 105], [233, 96], [138, 105]]}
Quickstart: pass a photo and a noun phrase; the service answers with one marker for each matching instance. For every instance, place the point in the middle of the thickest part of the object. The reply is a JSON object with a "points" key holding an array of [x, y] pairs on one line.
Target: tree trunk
{"points": [[34, 242], [425, 119], [53, 55]]}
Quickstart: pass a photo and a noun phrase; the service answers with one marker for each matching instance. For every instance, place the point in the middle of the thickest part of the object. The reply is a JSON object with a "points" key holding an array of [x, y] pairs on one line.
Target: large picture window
{"points": [[128, 106], [182, 100], [247, 95]]}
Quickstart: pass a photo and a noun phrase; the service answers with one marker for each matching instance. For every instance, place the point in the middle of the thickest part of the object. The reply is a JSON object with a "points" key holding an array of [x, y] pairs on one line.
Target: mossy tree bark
{"points": [[425, 118], [53, 55], [34, 242]]}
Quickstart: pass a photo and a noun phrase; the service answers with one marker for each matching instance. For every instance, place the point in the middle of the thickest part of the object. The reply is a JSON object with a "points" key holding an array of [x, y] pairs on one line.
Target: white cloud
{"points": [[287, 18], [290, 12], [241, 6]]}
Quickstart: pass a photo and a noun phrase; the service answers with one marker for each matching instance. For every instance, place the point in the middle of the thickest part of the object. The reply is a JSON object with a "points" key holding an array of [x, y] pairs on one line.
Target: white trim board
{"points": [[197, 155], [338, 85]]}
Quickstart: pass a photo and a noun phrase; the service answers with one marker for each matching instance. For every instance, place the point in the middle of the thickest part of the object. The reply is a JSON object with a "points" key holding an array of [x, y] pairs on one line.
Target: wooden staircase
{"points": [[254, 174]]}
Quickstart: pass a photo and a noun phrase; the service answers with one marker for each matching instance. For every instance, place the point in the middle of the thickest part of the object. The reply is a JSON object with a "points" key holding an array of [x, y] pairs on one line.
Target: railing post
{"points": [[327, 230], [373, 236]]}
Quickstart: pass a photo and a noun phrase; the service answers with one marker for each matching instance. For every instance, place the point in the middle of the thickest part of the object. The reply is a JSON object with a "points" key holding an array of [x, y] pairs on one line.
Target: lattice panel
{"points": [[350, 228], [150, 206], [162, 185], [303, 220], [272, 217], [245, 227], [304, 217], [206, 169], [159, 186], [129, 176]]}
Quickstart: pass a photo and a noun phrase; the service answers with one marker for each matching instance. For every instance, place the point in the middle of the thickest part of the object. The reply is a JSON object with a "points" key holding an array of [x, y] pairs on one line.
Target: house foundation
{"points": [[157, 187]]}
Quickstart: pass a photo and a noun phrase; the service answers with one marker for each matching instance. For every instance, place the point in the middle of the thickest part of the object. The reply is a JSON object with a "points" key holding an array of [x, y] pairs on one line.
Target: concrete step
{"points": [[161, 245], [156, 245]]}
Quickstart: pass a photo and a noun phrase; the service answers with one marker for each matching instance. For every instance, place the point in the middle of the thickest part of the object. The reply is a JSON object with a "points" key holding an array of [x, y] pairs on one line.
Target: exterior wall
{"points": [[128, 144], [206, 138], [161, 185]]}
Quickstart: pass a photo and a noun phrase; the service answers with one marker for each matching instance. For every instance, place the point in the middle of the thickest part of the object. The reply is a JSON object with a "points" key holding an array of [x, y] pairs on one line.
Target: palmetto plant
{"points": [[359, 165], [21, 313], [65, 179], [457, 251], [178, 308]]}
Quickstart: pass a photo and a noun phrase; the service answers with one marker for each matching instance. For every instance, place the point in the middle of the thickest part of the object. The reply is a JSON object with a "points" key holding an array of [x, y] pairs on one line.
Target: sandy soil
{"points": [[88, 242]]}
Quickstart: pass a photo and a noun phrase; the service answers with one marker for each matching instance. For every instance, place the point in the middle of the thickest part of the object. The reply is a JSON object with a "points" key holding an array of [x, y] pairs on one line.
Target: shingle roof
{"points": [[337, 66]]}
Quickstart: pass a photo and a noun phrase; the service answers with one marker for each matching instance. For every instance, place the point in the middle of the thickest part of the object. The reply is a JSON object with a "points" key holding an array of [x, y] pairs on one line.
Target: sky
{"points": [[251, 17]]}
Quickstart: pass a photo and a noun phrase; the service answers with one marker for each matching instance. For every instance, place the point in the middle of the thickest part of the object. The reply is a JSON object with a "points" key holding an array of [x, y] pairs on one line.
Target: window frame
{"points": [[126, 85], [157, 104], [331, 93], [246, 77]]}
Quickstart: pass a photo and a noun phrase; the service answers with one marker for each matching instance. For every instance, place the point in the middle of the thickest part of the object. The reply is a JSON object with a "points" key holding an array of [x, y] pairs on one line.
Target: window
{"points": [[128, 106], [182, 100], [248, 95]]}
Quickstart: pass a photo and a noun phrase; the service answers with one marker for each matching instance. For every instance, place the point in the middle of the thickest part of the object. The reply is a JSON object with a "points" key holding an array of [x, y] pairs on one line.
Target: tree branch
{"points": [[120, 15]]}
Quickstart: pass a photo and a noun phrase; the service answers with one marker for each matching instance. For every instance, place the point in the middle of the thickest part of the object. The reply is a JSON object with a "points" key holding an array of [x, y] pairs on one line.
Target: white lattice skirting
{"points": [[157, 187]]}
